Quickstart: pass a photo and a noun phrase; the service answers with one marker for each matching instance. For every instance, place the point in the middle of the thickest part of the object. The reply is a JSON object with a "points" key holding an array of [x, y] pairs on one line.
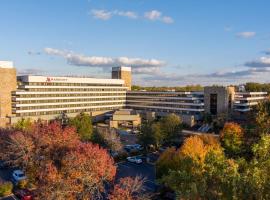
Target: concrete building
{"points": [[7, 85], [125, 116], [188, 105], [245, 101], [123, 73], [218, 100], [48, 97]]}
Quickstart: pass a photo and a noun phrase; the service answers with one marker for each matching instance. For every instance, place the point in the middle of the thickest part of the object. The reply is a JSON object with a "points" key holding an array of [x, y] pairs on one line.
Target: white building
{"points": [[186, 104], [244, 101], [47, 97]]}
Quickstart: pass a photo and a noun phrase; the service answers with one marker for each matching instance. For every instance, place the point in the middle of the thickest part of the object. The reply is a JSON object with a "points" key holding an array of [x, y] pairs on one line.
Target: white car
{"points": [[134, 159], [18, 175]]}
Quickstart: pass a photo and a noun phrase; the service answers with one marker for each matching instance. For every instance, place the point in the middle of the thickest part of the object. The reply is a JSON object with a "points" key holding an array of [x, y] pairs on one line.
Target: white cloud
{"points": [[247, 34], [129, 14], [149, 71], [106, 15], [139, 65], [262, 62], [167, 20], [101, 14], [155, 15], [56, 52], [219, 78], [257, 70]]}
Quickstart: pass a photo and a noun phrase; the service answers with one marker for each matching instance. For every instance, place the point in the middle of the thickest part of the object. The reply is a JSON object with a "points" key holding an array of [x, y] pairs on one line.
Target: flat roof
{"points": [[121, 68], [164, 92], [6, 64], [62, 79]]}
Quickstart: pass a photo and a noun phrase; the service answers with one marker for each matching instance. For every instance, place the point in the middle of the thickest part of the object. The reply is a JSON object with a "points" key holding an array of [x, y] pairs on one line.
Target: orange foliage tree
{"points": [[194, 148], [198, 170], [232, 139], [57, 161]]}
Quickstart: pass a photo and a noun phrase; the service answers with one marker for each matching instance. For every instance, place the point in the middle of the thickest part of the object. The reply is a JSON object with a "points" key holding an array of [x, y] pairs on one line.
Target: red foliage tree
{"points": [[129, 189], [57, 161]]}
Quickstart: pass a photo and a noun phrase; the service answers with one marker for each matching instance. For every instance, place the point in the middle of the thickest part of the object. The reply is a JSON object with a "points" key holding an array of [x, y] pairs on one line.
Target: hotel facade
{"points": [[48, 97]]}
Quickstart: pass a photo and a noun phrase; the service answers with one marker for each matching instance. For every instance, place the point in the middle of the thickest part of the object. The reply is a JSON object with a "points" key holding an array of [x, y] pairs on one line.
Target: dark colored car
{"points": [[3, 165], [24, 194]]}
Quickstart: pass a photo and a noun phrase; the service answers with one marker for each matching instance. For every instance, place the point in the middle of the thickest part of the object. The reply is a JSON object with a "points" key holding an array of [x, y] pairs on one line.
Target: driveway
{"points": [[147, 171]]}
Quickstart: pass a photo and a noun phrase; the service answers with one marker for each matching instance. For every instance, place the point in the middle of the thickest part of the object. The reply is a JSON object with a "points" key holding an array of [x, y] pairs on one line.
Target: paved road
{"points": [[188, 132], [127, 138], [147, 171], [5, 174], [12, 197]]}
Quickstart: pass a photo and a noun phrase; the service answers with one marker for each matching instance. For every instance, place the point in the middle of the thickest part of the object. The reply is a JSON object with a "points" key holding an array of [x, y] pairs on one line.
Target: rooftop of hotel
{"points": [[67, 79]]}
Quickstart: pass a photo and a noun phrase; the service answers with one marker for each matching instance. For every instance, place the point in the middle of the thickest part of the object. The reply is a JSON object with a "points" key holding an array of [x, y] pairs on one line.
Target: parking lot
{"points": [[5, 175], [12, 197], [147, 171]]}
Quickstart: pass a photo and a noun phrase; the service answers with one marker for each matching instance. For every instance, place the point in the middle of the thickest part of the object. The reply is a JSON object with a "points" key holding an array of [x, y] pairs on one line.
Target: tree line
{"points": [[257, 87], [177, 89], [65, 162], [235, 166]]}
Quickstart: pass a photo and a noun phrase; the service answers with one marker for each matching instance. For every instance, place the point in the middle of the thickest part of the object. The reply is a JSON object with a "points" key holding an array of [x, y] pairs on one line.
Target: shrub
{"points": [[22, 184], [5, 189]]}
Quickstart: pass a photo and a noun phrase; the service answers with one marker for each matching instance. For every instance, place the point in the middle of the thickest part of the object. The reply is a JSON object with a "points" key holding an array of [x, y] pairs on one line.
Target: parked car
{"points": [[18, 175], [113, 153], [24, 194], [129, 148], [134, 159], [138, 147], [136, 132], [133, 148], [3, 165]]}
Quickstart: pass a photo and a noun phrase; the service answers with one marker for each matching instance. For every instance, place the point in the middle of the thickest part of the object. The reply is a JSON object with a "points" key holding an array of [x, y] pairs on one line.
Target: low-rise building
{"points": [[124, 116], [188, 105]]}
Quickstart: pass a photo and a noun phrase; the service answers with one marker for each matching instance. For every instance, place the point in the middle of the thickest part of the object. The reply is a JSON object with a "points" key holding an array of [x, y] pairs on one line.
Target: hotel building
{"points": [[46, 97], [181, 103], [245, 100]]}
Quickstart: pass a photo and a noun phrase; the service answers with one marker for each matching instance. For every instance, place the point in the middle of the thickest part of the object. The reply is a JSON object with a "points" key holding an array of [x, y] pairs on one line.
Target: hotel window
{"points": [[213, 104]]}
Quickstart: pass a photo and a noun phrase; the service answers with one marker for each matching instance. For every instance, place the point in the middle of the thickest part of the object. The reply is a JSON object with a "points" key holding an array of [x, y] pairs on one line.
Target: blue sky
{"points": [[167, 42]]}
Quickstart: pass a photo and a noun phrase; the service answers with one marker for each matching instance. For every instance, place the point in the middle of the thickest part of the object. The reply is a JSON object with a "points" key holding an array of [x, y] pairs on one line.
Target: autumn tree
{"points": [[23, 124], [199, 170], [83, 124], [232, 139], [170, 126], [263, 118], [151, 134], [129, 189], [156, 133], [107, 138], [167, 161], [54, 158], [255, 179]]}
